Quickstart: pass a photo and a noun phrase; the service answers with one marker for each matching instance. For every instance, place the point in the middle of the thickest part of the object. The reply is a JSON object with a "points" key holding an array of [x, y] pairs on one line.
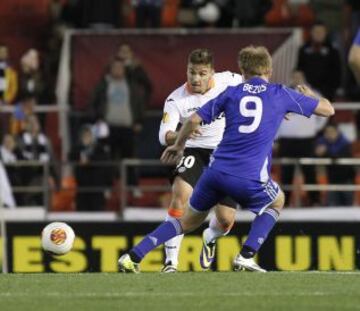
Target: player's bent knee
{"points": [[279, 202], [225, 223], [225, 216]]}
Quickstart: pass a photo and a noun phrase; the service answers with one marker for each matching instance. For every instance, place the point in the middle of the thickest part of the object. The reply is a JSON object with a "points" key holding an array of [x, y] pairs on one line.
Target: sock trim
{"points": [[273, 213], [134, 257], [247, 252], [176, 223], [175, 212]]}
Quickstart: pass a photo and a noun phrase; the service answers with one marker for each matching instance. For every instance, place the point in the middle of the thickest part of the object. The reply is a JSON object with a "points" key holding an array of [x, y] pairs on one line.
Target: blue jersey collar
{"points": [[256, 80]]}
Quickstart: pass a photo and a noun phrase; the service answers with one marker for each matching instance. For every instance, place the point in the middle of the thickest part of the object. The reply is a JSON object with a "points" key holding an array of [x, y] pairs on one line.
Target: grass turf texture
{"points": [[182, 291]]}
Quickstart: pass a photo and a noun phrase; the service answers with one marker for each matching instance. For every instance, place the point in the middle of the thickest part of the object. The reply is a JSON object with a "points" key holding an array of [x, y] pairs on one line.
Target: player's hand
{"points": [[304, 89], [195, 134], [172, 154]]}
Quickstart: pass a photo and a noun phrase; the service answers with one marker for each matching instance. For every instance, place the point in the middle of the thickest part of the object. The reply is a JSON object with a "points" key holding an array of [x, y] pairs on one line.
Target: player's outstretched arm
{"points": [[171, 136], [324, 107], [173, 153], [354, 61], [190, 125]]}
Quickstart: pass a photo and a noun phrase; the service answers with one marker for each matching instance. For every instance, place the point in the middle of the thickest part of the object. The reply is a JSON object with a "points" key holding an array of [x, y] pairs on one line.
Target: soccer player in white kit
{"points": [[202, 85]]}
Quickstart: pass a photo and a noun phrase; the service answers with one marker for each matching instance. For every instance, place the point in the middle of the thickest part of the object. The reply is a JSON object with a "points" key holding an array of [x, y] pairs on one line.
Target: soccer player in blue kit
{"points": [[240, 166]]}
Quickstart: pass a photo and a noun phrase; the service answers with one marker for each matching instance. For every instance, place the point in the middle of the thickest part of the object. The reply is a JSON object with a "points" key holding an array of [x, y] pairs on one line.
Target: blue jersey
{"points": [[253, 113], [357, 38]]}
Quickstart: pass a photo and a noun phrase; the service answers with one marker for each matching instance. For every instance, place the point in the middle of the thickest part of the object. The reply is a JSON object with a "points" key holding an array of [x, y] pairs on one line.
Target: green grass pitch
{"points": [[241, 291]]}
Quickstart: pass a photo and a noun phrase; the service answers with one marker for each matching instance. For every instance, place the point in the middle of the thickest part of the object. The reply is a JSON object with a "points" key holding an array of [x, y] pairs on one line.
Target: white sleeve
{"points": [[170, 120], [236, 79], [228, 78]]}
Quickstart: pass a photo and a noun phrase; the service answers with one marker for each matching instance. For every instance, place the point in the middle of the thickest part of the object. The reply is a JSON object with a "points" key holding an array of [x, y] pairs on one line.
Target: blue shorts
{"points": [[215, 185]]}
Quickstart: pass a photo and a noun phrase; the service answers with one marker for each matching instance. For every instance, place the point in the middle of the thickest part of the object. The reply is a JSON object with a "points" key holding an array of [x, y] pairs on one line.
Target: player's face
{"points": [[198, 77]]}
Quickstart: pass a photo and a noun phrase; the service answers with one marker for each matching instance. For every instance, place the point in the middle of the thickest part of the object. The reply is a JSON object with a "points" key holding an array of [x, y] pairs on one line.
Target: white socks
{"points": [[214, 231], [172, 247]]}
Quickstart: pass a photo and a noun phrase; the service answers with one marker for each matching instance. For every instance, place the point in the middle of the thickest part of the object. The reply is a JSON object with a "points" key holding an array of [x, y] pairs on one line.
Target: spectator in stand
{"points": [[23, 109], [9, 155], [250, 13], [295, 143], [229, 13], [35, 146], [69, 13], [208, 14], [289, 13], [8, 77], [329, 11], [320, 62], [148, 13], [333, 144], [101, 14], [31, 78], [135, 74], [101, 133], [119, 102], [89, 175], [226, 13]]}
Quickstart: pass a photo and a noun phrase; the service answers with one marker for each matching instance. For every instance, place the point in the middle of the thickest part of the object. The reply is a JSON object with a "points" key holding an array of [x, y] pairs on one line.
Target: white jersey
{"points": [[181, 104]]}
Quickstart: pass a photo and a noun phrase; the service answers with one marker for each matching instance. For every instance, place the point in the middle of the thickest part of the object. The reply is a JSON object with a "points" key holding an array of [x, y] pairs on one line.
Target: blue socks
{"points": [[260, 229], [161, 234]]}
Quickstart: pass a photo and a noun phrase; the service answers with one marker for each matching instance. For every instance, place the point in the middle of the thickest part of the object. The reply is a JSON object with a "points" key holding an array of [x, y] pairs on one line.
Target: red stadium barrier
{"points": [[163, 55]]}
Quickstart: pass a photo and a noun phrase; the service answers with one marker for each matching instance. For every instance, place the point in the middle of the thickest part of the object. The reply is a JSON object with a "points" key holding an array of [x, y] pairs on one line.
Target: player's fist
{"points": [[304, 89], [172, 154]]}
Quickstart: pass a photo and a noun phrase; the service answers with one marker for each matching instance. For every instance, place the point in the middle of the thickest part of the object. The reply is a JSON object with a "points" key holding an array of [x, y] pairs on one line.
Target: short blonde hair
{"points": [[255, 61]]}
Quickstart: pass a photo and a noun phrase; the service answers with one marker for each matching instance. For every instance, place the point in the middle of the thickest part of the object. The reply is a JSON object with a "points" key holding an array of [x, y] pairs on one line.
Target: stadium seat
{"points": [[64, 199], [170, 13]]}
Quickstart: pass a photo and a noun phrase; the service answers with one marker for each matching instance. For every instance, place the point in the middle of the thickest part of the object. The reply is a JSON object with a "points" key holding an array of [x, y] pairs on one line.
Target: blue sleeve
{"points": [[299, 103], [357, 38], [212, 109]]}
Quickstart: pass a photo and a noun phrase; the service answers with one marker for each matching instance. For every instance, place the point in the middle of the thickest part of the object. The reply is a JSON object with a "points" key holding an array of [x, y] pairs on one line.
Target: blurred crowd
{"points": [[111, 130]]}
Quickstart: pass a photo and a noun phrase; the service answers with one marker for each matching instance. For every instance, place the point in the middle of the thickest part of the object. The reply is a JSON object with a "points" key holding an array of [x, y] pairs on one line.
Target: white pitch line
{"points": [[317, 272], [177, 294]]}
